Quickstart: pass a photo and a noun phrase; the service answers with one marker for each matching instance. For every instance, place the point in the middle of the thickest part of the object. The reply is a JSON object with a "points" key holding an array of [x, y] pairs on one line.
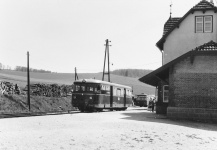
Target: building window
{"points": [[165, 93], [203, 24]]}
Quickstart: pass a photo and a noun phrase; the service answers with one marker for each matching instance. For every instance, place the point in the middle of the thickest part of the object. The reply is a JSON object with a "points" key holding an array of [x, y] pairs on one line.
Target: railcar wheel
{"points": [[81, 109]]}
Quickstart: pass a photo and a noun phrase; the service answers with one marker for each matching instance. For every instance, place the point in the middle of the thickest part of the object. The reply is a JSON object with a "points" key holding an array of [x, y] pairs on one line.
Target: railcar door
{"points": [[111, 96], [125, 98]]}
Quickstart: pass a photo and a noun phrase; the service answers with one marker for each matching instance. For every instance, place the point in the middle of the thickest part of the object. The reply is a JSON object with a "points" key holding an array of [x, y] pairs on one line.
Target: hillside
{"points": [[68, 78], [135, 73]]}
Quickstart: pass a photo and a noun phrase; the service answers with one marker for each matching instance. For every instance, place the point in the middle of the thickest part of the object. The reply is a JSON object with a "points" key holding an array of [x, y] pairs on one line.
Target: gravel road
{"points": [[133, 129]]}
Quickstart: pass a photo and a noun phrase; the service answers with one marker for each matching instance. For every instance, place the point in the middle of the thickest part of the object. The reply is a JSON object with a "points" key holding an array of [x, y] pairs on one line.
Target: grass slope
{"points": [[68, 78], [18, 104]]}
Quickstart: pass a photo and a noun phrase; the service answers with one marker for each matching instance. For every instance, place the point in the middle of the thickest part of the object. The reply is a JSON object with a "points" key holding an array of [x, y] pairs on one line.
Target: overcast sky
{"points": [[63, 34]]}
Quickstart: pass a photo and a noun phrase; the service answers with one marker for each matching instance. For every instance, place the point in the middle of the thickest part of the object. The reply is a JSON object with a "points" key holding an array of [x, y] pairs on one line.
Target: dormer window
{"points": [[203, 24]]}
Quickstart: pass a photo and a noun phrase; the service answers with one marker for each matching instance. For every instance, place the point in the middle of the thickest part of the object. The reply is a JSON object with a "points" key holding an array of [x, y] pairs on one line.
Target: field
{"points": [[68, 78]]}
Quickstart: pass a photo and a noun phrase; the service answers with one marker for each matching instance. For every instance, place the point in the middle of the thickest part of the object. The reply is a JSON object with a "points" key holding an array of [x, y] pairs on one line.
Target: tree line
{"points": [[135, 73], [24, 69]]}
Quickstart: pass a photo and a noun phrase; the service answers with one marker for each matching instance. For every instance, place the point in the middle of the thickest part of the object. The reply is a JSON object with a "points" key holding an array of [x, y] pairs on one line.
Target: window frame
{"points": [[165, 101], [203, 22]]}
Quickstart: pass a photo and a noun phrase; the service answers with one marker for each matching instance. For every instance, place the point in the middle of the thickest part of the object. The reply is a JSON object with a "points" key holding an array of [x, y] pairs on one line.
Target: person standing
{"points": [[152, 107]]}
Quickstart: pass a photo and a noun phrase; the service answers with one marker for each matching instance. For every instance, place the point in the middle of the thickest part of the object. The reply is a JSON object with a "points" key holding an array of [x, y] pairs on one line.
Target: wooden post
{"points": [[28, 79], [76, 75]]}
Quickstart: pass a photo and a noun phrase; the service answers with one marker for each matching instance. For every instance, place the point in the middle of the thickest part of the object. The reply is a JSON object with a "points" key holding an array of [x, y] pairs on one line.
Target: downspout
{"points": [[162, 57]]}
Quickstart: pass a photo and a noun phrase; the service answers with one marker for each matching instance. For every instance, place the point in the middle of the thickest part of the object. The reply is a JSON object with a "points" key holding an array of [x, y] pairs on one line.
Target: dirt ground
{"points": [[133, 129]]}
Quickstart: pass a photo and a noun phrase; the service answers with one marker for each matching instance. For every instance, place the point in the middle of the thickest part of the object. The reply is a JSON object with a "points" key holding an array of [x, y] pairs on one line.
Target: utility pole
{"points": [[28, 80], [76, 75], [106, 52]]}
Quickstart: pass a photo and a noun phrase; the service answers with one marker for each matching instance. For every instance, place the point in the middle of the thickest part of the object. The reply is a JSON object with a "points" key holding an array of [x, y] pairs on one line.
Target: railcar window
{"points": [[89, 88], [107, 88], [77, 87], [141, 98], [114, 91], [122, 92], [127, 92], [103, 87], [118, 92], [82, 88], [98, 88]]}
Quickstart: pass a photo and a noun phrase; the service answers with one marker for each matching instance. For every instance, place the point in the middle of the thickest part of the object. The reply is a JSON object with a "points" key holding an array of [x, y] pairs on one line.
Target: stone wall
{"points": [[196, 114], [191, 86], [193, 89]]}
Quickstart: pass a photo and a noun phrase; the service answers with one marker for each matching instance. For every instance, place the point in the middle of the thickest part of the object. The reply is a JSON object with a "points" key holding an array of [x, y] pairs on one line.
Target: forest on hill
{"points": [[135, 73]]}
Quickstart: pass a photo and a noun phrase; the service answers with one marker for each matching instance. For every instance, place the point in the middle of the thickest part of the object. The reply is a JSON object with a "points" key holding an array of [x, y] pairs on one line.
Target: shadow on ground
{"points": [[147, 116]]}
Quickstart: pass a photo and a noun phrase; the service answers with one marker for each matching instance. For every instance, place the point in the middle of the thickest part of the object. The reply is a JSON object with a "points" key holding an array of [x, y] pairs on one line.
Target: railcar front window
{"points": [[90, 89], [82, 88], [77, 87]]}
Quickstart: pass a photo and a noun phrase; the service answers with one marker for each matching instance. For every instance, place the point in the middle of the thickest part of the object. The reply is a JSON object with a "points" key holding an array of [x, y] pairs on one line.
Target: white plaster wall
{"points": [[184, 38]]}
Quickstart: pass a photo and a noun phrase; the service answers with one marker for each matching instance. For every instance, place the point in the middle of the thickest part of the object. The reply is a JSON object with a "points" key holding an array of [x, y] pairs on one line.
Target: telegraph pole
{"points": [[106, 52], [76, 75], [28, 80]]}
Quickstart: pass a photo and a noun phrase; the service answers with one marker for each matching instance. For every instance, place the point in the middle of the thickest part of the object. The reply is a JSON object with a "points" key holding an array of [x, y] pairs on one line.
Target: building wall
{"points": [[184, 38], [193, 89]]}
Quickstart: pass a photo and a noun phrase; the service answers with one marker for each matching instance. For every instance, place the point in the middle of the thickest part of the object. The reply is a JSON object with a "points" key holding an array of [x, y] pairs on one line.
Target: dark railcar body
{"points": [[141, 100], [91, 94]]}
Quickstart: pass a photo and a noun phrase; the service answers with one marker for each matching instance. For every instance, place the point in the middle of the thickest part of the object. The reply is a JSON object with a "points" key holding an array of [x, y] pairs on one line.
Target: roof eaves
{"points": [[165, 67]]}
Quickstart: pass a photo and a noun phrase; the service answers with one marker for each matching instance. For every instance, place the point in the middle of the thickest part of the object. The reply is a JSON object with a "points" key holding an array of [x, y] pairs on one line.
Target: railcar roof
{"points": [[101, 82]]}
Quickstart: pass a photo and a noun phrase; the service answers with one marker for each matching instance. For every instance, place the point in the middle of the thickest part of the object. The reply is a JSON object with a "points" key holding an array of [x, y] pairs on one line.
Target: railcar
{"points": [[96, 95], [141, 100]]}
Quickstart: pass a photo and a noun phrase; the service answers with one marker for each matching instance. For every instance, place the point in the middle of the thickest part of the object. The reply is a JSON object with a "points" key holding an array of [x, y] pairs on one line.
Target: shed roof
{"points": [[173, 23], [162, 73]]}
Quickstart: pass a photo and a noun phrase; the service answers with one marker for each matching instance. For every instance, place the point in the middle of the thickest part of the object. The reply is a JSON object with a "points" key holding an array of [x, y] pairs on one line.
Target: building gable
{"points": [[174, 23]]}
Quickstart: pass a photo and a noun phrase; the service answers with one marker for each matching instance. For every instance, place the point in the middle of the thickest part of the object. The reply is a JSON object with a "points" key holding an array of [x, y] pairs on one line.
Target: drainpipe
{"points": [[162, 57]]}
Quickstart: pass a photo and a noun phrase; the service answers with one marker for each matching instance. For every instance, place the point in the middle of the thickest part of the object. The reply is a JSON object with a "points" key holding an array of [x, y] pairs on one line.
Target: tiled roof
{"points": [[203, 5], [169, 24], [210, 46]]}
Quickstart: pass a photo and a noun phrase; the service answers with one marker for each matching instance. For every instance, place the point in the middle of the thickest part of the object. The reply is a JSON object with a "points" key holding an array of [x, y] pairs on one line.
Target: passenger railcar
{"points": [[141, 100], [91, 95]]}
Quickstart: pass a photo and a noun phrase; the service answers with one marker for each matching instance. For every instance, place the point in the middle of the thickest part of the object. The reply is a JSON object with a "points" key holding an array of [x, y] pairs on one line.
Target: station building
{"points": [[187, 80]]}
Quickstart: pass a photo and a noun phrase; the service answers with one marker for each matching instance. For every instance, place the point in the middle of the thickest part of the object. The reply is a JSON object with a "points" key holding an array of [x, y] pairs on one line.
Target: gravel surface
{"points": [[133, 129]]}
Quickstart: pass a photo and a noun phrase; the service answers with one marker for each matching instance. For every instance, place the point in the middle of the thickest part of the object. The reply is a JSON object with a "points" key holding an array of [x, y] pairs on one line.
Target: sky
{"points": [[63, 34]]}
